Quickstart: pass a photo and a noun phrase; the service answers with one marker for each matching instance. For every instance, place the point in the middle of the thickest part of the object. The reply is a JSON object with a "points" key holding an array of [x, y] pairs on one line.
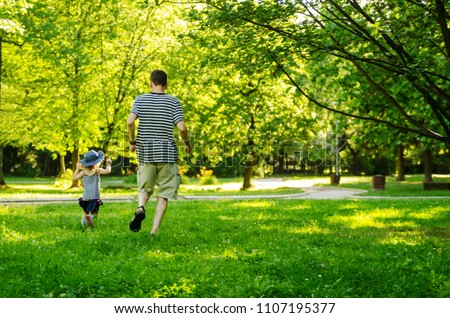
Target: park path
{"points": [[309, 193]]}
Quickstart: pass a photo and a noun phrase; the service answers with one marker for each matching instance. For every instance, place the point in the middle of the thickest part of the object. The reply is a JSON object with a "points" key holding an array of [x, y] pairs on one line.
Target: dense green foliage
{"points": [[261, 82], [380, 66], [384, 61]]}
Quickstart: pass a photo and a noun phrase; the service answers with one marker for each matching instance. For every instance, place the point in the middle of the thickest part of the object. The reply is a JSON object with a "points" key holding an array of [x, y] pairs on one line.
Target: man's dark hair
{"points": [[158, 77]]}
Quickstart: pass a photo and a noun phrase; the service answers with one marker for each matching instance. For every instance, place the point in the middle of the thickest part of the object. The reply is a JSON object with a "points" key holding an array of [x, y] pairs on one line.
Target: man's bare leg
{"points": [[142, 200], [160, 211]]}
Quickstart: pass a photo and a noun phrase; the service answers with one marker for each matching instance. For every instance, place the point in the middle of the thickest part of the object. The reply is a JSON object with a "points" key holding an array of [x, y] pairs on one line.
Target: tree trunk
{"points": [[250, 161], [248, 172], [75, 159], [280, 167], [356, 164], [428, 165], [62, 164], [2, 179], [248, 168], [400, 164]]}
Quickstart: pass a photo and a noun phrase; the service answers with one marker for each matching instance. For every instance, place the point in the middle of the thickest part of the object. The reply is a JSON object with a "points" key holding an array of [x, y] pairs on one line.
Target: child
{"points": [[88, 169]]}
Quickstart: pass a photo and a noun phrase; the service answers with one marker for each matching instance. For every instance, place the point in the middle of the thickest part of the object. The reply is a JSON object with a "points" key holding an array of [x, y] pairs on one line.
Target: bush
{"points": [[208, 180], [184, 179], [206, 177], [64, 180], [131, 178]]}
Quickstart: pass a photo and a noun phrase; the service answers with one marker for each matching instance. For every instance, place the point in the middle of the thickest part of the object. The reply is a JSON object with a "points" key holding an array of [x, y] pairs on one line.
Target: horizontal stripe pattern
{"points": [[158, 114], [91, 186]]}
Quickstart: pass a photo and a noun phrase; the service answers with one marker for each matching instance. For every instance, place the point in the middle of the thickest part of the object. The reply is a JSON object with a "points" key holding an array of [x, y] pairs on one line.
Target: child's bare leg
{"points": [[88, 219], [83, 219]]}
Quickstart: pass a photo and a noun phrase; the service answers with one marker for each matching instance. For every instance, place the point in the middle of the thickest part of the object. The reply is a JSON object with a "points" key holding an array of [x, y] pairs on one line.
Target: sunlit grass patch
{"points": [[357, 221], [311, 228], [9, 235], [386, 214], [428, 213], [182, 288], [159, 254], [254, 204], [413, 237]]}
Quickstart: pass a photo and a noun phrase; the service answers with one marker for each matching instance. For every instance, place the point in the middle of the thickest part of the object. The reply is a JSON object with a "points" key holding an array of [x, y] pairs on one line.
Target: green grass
{"points": [[264, 248], [411, 187], [217, 191]]}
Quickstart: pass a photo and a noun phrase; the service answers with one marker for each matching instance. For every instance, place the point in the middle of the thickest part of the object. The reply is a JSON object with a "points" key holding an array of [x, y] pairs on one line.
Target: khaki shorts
{"points": [[164, 175]]}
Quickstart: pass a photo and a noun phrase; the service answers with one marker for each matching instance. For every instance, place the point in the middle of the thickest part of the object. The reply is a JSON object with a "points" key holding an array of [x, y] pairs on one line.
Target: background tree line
{"points": [[261, 82]]}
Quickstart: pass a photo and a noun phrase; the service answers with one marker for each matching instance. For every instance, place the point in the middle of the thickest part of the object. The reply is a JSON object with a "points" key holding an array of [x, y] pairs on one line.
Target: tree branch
{"points": [[442, 20], [422, 132]]}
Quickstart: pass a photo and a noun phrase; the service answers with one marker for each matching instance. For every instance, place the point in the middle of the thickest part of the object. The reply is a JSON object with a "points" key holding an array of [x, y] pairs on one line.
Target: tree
{"points": [[242, 109], [11, 31], [397, 50], [64, 36], [86, 62]]}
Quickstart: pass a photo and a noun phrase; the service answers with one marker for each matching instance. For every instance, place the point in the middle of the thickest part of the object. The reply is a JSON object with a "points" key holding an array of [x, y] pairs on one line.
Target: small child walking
{"points": [[89, 169]]}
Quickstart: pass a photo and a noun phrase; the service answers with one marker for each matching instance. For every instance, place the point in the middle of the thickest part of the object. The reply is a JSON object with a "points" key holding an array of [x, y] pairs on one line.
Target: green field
{"points": [[226, 248]]}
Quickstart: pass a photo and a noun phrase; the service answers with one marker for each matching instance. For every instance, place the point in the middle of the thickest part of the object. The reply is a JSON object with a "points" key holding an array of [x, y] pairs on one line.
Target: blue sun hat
{"points": [[92, 157]]}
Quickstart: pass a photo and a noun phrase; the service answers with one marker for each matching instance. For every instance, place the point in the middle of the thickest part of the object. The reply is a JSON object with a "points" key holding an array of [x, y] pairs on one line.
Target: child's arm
{"points": [[108, 167], [79, 173]]}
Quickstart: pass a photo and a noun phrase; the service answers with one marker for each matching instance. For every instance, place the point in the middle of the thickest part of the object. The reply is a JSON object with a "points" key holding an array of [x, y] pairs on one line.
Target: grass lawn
{"points": [[226, 248], [411, 187]]}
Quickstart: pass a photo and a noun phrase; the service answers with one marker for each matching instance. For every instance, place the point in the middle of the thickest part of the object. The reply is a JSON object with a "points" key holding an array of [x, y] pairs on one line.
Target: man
{"points": [[156, 149]]}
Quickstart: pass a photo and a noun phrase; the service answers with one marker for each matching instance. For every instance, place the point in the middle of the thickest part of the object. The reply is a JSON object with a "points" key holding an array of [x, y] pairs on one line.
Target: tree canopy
{"points": [[250, 74], [385, 61]]}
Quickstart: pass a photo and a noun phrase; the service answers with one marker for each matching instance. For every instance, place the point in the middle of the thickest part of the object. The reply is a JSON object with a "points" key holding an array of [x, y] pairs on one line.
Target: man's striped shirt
{"points": [[158, 113]]}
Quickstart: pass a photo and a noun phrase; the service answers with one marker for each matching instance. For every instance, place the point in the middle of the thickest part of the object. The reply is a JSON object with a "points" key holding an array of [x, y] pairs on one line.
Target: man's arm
{"points": [[182, 129], [132, 130]]}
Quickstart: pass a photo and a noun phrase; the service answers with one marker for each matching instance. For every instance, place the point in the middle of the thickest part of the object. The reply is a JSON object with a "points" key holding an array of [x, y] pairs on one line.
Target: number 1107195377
{"points": [[295, 308]]}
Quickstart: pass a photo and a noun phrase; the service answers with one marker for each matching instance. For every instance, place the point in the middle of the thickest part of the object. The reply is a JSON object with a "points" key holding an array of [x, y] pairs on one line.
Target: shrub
{"points": [[64, 180], [206, 177]]}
